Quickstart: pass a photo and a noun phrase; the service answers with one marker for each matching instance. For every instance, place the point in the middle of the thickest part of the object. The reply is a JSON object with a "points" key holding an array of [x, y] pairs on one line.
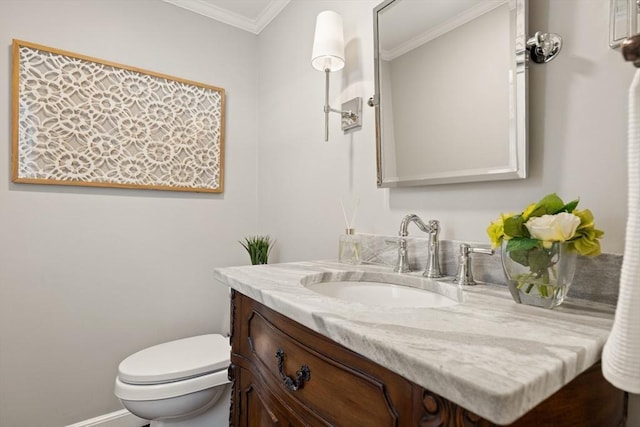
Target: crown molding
{"points": [[254, 26], [440, 29]]}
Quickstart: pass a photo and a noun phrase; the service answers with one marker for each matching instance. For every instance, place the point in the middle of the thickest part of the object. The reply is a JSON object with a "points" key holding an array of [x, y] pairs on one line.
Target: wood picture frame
{"points": [[83, 121]]}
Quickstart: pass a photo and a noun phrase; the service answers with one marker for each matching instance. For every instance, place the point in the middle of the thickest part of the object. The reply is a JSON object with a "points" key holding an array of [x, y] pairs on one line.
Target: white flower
{"points": [[553, 228]]}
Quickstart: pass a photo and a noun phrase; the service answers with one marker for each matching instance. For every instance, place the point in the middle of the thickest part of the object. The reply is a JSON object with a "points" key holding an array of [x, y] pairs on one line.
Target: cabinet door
{"points": [[253, 406]]}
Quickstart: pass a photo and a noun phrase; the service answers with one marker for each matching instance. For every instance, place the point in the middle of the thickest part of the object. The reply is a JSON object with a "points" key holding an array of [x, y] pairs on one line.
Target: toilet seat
{"points": [[176, 360], [174, 368], [139, 392]]}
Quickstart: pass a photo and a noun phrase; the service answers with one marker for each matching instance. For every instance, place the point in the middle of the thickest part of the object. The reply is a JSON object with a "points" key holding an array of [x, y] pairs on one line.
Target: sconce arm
{"points": [[348, 114], [351, 117]]}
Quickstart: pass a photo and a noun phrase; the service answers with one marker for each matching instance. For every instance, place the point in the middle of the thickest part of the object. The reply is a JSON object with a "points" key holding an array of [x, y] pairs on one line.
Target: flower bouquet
{"points": [[539, 248]]}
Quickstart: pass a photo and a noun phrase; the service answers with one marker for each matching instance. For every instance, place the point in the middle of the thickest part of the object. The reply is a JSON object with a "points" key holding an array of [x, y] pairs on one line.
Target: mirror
{"points": [[451, 82]]}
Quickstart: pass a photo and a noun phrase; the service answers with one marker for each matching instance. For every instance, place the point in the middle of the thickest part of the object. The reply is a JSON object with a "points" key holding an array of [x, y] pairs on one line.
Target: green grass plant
{"points": [[259, 248]]}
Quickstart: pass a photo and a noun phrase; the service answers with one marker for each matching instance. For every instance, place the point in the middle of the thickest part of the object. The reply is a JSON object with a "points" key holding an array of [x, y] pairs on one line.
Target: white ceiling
{"points": [[249, 15]]}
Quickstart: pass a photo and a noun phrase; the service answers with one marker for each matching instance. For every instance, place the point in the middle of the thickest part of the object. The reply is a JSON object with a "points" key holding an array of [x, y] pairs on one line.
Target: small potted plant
{"points": [[259, 248]]}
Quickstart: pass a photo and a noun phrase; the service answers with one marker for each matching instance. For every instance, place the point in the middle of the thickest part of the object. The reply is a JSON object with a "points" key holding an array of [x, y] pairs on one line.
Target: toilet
{"points": [[178, 383]]}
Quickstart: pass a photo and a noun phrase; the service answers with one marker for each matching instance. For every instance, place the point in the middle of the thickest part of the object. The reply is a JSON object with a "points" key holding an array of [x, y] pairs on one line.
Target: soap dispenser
{"points": [[349, 248]]}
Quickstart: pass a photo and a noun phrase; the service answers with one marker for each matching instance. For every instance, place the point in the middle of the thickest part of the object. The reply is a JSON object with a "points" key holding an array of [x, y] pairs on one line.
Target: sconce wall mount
{"points": [[352, 114]]}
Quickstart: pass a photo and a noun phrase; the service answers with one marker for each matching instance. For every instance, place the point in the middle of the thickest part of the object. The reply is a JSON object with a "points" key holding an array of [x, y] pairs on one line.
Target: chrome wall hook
{"points": [[543, 47]]}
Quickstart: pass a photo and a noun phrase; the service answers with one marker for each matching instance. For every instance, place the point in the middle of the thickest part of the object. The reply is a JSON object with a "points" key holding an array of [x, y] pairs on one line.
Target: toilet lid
{"points": [[176, 360]]}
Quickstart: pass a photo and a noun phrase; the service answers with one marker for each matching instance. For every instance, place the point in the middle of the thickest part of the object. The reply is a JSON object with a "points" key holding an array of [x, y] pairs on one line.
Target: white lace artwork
{"points": [[86, 122]]}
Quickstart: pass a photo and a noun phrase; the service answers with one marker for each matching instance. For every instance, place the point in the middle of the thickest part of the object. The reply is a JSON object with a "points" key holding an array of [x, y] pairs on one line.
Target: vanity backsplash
{"points": [[596, 278]]}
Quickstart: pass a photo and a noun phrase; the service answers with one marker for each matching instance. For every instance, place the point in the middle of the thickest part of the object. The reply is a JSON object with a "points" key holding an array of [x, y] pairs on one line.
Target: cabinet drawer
{"points": [[333, 391]]}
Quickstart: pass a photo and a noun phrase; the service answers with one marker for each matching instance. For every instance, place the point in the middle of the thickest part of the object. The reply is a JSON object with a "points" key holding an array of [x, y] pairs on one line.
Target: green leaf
{"points": [[571, 206], [514, 227], [539, 262], [521, 244], [518, 249], [521, 257], [549, 205]]}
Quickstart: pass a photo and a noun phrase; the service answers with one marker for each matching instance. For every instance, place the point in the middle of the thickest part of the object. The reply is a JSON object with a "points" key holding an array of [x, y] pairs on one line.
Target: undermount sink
{"points": [[381, 294]]}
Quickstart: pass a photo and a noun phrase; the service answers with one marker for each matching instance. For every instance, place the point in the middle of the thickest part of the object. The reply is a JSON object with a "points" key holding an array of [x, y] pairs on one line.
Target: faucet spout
{"points": [[408, 219], [432, 228]]}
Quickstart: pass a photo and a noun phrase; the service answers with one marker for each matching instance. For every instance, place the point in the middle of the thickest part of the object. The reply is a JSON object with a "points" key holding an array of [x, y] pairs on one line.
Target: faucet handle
{"points": [[402, 265], [432, 270], [464, 276]]}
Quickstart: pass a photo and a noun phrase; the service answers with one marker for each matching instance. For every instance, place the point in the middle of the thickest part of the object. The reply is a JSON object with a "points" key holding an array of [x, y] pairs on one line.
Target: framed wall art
{"points": [[79, 120]]}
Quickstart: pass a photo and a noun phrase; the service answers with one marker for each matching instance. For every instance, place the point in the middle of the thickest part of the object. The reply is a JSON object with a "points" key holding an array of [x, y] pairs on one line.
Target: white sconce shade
{"points": [[328, 42]]}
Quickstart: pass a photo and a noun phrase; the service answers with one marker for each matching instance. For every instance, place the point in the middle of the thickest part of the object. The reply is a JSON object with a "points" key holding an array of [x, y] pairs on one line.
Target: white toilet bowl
{"points": [[178, 383]]}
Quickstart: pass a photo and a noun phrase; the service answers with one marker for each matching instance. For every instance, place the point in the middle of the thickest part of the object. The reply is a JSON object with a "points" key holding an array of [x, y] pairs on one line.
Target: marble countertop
{"points": [[488, 354]]}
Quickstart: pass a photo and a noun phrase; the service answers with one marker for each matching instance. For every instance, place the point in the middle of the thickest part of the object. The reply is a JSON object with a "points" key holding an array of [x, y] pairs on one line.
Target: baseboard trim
{"points": [[121, 418]]}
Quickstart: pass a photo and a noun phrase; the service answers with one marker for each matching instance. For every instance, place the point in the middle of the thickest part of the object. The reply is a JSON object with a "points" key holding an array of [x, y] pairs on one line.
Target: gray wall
{"points": [[89, 276]]}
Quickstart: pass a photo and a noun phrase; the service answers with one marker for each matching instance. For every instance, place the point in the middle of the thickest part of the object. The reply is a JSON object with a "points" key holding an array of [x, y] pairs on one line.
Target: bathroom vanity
{"points": [[300, 358]]}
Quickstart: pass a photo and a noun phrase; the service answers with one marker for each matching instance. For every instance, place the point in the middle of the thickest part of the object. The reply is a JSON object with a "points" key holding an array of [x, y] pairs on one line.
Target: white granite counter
{"points": [[488, 354]]}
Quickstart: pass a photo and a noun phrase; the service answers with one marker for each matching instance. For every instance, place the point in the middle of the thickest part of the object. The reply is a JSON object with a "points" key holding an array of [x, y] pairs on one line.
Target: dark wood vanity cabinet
{"points": [[285, 374]]}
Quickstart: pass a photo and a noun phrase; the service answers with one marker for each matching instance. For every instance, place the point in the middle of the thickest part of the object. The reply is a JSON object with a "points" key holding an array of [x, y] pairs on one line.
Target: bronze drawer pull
{"points": [[304, 374]]}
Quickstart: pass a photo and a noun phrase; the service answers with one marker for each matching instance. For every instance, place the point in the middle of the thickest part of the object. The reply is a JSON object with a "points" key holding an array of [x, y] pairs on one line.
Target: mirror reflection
{"points": [[450, 91]]}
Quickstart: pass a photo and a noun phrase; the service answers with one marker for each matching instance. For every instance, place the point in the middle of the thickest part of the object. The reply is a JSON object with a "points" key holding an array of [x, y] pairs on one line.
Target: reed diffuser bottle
{"points": [[349, 248], [349, 245]]}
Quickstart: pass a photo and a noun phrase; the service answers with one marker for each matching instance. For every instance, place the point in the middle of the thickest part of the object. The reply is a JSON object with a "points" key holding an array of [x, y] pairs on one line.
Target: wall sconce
{"points": [[328, 56]]}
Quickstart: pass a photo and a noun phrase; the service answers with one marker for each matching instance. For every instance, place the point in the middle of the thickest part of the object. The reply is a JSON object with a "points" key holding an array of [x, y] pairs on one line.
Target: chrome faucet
{"points": [[432, 269]]}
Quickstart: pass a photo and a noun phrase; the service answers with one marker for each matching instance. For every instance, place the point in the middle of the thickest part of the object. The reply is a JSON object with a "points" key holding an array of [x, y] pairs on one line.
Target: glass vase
{"points": [[540, 276]]}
